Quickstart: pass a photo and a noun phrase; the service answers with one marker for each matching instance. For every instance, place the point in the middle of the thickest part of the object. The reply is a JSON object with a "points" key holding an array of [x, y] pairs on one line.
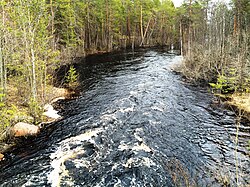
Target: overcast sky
{"points": [[177, 3]]}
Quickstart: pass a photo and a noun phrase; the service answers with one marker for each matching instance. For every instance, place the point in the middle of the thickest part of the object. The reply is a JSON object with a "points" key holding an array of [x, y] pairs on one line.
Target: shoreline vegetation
{"points": [[241, 101], [38, 37]]}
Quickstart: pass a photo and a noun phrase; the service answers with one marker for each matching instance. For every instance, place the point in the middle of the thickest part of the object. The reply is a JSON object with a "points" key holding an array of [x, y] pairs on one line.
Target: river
{"points": [[136, 123]]}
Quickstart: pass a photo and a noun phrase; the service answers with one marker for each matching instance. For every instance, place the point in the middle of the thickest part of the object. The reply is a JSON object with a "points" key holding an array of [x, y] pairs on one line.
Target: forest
{"points": [[38, 36]]}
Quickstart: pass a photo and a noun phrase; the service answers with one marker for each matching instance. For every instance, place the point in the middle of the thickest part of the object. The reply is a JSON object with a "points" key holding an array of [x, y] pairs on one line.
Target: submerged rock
{"points": [[24, 129]]}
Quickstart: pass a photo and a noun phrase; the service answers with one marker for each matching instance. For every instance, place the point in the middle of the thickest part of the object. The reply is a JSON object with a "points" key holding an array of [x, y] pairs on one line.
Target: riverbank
{"points": [[198, 70], [240, 102], [225, 76], [21, 115]]}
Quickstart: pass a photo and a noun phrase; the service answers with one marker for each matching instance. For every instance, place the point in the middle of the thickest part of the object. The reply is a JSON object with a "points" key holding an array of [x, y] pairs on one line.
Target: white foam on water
{"points": [[114, 167], [154, 122], [142, 161], [133, 93], [138, 137], [140, 146], [118, 183], [146, 113], [130, 109], [108, 117], [33, 180], [84, 121], [148, 162], [133, 182], [64, 153], [157, 108], [137, 147]]}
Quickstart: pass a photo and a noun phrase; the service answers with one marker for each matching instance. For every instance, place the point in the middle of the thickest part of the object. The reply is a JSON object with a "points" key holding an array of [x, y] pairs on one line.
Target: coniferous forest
{"points": [[38, 36]]}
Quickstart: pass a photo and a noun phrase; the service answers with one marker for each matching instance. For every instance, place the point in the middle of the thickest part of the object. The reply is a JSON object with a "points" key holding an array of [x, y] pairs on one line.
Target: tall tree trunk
{"points": [[144, 34], [181, 39], [33, 64], [189, 29], [128, 26], [1, 68], [53, 42], [141, 26], [2, 62]]}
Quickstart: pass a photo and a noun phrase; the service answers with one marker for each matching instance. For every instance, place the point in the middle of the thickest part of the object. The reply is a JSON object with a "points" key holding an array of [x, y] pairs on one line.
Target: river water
{"points": [[136, 123]]}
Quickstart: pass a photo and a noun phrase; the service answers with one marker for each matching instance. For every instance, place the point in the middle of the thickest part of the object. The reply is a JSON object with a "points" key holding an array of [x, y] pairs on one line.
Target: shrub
{"points": [[72, 78]]}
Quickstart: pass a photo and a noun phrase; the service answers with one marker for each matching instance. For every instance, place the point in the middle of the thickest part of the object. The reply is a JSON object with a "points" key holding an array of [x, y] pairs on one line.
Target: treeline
{"points": [[216, 44], [37, 36]]}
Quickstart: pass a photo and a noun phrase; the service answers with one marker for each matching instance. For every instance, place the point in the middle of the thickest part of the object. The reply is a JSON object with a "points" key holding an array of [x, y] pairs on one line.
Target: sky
{"points": [[177, 3]]}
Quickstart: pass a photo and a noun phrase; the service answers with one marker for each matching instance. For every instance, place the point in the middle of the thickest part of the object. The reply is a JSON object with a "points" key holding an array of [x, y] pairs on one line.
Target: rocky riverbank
{"points": [[23, 129]]}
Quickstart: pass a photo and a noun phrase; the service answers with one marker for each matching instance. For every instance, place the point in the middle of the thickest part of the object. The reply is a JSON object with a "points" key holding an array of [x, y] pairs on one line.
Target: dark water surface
{"points": [[135, 124]]}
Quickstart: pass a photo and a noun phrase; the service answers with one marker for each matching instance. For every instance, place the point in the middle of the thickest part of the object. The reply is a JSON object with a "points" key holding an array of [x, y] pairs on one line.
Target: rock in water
{"points": [[24, 129], [1, 157], [50, 112]]}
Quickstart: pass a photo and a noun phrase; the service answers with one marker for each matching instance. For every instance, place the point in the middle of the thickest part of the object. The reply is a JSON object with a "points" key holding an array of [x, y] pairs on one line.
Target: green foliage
{"points": [[6, 117], [223, 84], [35, 110], [2, 95], [10, 115], [66, 22], [1, 103], [72, 78], [231, 82]]}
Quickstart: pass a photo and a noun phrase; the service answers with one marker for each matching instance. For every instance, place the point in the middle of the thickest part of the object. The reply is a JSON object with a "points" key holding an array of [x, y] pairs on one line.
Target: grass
{"points": [[241, 100]]}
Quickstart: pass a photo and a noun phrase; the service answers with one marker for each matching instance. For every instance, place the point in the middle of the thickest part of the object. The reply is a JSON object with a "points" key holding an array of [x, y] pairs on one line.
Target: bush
{"points": [[10, 115], [35, 110], [72, 78], [199, 67], [226, 70]]}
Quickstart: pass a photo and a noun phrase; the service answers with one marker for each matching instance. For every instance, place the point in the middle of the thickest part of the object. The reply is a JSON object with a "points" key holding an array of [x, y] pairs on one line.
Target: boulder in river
{"points": [[24, 129], [1, 157], [50, 112]]}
